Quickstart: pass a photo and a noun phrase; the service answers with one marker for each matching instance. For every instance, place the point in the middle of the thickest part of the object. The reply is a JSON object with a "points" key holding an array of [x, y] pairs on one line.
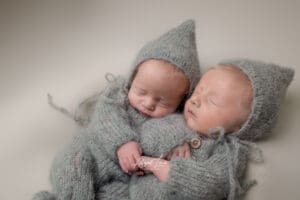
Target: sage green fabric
{"points": [[89, 162], [219, 168]]}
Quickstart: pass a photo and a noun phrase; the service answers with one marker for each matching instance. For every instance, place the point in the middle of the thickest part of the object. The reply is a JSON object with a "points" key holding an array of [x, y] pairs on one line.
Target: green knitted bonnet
{"points": [[269, 83], [177, 46]]}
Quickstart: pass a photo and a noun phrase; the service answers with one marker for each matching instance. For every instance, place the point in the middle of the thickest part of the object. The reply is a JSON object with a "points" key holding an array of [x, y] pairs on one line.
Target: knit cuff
{"points": [[190, 179]]}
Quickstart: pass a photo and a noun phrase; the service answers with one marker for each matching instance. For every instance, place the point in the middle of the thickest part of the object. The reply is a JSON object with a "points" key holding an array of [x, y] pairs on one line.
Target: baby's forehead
{"points": [[229, 71], [226, 75]]}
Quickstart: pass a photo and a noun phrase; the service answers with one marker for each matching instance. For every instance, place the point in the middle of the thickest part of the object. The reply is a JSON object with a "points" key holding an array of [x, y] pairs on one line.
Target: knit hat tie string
{"points": [[233, 146], [81, 121]]}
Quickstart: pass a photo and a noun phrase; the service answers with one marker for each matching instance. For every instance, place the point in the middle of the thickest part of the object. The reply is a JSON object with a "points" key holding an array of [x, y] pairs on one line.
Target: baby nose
{"points": [[195, 101], [149, 104]]}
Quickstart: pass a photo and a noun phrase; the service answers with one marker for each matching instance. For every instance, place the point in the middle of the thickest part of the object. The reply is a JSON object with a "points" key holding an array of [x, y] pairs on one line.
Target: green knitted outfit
{"points": [[221, 161], [89, 162]]}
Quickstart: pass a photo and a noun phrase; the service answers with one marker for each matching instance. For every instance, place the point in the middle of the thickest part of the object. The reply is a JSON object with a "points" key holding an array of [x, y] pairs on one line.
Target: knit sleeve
{"points": [[218, 177], [110, 121], [158, 136], [189, 179]]}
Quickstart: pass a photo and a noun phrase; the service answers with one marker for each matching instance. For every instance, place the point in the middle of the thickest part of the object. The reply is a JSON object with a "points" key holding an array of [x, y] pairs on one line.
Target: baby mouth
{"points": [[144, 113], [191, 113]]}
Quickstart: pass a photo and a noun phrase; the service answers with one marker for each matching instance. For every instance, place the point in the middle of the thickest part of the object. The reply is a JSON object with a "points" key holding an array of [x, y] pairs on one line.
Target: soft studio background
{"points": [[65, 48]]}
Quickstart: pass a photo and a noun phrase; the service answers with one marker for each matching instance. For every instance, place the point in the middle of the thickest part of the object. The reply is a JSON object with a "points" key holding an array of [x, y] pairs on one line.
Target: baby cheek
{"points": [[133, 100], [160, 112], [203, 123], [129, 95], [193, 124]]}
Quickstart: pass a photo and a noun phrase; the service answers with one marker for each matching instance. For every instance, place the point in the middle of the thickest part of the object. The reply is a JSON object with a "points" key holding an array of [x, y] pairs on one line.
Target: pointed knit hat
{"points": [[177, 46], [269, 84]]}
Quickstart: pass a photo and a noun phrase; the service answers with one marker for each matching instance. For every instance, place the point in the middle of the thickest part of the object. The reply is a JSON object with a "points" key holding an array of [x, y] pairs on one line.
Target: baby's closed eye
{"points": [[213, 101], [140, 91]]}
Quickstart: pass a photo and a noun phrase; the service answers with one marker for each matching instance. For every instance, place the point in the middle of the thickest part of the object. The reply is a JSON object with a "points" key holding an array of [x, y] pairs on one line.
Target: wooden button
{"points": [[195, 143]]}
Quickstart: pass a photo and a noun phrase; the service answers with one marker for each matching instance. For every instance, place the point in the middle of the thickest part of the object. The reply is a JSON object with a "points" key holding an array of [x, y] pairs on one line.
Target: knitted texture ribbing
{"points": [[113, 119], [218, 171], [206, 177], [85, 167], [89, 162]]}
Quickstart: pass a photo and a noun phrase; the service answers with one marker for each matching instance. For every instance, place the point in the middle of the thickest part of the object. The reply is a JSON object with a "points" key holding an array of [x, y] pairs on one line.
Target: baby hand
{"points": [[158, 166], [128, 155], [182, 150]]}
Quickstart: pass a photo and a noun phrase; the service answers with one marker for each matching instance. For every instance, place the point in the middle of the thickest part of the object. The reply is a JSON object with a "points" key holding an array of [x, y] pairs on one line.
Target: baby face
{"points": [[222, 98], [157, 88]]}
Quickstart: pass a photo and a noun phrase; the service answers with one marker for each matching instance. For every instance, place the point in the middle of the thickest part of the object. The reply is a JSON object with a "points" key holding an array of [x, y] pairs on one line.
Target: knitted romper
{"points": [[89, 161], [219, 168]]}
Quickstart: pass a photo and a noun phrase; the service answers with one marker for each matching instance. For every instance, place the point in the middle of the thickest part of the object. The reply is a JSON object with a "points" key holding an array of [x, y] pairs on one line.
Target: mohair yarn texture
{"points": [[219, 166], [221, 161], [177, 46], [269, 83], [89, 161]]}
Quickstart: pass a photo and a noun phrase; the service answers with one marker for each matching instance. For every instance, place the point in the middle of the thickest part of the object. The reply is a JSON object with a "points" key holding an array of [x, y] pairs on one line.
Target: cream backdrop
{"points": [[65, 48]]}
